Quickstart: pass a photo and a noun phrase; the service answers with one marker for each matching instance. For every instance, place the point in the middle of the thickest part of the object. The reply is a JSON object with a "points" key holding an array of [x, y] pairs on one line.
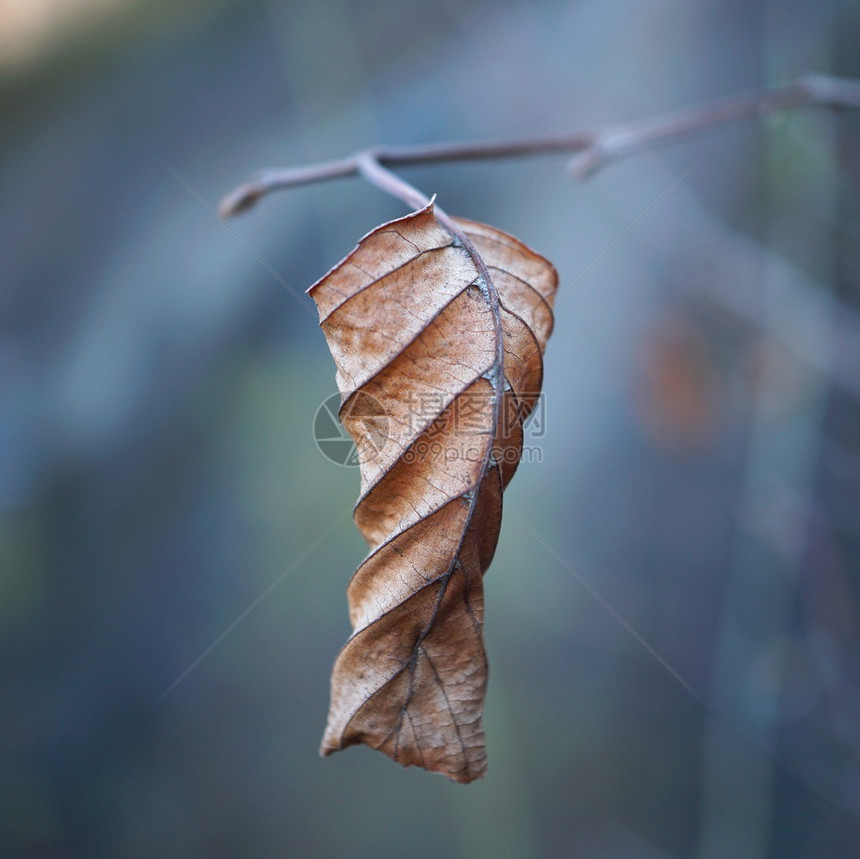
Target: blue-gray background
{"points": [[700, 468]]}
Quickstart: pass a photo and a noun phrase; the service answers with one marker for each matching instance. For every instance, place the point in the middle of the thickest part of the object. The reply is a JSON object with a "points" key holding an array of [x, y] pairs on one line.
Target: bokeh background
{"points": [[700, 469]]}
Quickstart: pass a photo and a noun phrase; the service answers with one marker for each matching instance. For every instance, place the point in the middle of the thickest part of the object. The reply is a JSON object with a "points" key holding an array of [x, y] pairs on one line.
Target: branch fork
{"points": [[591, 150]]}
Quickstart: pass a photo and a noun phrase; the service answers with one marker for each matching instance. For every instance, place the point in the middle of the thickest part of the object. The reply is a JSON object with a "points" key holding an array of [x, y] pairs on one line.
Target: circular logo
{"points": [[352, 434]]}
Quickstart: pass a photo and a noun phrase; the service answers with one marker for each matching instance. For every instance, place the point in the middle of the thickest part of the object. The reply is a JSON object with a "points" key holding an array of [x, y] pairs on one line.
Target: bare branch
{"points": [[245, 196], [593, 149], [624, 140]]}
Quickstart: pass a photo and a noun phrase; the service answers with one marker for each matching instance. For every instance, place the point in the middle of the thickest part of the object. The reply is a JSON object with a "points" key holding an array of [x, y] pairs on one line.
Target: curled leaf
{"points": [[441, 325]]}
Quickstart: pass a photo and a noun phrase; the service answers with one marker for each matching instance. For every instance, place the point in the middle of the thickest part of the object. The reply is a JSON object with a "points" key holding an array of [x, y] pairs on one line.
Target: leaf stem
{"points": [[369, 166], [592, 150]]}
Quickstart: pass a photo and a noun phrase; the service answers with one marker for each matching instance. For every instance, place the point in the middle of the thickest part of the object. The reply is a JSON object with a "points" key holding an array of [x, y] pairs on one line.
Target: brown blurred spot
{"points": [[677, 393]]}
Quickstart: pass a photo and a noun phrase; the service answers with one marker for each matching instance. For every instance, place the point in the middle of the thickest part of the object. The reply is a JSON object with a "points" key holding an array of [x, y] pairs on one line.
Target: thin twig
{"points": [[592, 149], [623, 140]]}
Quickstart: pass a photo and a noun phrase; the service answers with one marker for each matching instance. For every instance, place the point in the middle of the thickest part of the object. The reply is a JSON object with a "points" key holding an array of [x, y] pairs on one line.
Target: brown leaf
{"points": [[444, 335]]}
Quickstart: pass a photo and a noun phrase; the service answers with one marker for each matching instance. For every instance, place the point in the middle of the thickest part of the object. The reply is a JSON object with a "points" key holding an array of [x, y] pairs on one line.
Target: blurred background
{"points": [[160, 371]]}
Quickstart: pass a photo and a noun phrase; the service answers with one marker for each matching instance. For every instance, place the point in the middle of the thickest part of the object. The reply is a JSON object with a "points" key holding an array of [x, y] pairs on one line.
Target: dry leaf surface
{"points": [[438, 337]]}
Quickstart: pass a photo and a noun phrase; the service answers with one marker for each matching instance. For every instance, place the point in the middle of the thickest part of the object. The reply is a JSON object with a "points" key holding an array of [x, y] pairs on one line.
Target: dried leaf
{"points": [[423, 346]]}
